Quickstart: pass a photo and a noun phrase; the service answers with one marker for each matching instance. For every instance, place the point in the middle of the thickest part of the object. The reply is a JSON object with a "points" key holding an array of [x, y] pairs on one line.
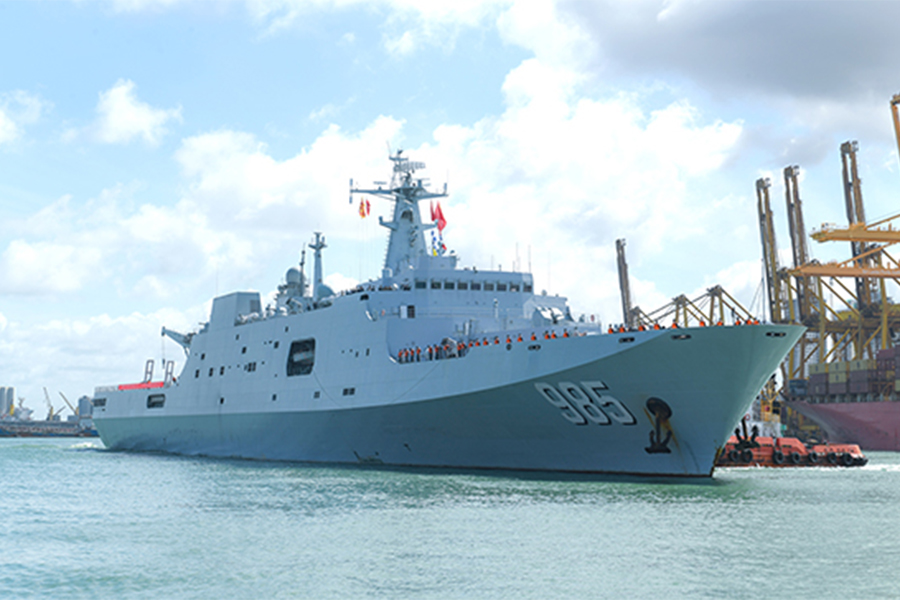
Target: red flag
{"points": [[432, 212], [439, 217], [363, 208]]}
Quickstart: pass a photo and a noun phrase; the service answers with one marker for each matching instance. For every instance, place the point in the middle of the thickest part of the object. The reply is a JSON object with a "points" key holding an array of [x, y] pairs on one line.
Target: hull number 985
{"points": [[586, 402]]}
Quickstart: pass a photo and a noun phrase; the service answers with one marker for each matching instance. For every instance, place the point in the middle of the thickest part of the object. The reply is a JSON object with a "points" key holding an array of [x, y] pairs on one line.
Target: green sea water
{"points": [[77, 521]]}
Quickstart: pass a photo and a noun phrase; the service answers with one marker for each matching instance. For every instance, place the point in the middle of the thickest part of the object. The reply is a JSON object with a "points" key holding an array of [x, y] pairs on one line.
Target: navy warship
{"points": [[433, 365]]}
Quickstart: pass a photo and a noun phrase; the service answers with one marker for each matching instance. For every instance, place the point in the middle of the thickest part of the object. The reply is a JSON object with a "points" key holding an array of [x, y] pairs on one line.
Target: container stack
{"points": [[863, 376], [837, 378], [888, 367], [818, 379]]}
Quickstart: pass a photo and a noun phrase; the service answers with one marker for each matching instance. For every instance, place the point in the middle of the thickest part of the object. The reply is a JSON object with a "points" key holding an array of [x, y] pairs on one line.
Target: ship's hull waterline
{"points": [[515, 407]]}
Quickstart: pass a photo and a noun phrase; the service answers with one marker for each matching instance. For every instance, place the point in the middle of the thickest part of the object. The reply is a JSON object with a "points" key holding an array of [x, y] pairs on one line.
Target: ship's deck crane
{"points": [[69, 404], [51, 412], [629, 318]]}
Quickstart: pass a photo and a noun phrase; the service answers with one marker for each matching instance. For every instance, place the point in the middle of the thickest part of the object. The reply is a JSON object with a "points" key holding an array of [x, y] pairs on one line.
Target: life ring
{"points": [[747, 455], [831, 458], [734, 455], [846, 459], [778, 457], [813, 457], [795, 458]]}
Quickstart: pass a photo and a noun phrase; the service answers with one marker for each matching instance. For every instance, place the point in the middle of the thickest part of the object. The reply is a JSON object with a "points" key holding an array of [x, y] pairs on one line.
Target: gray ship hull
{"points": [[520, 407]]}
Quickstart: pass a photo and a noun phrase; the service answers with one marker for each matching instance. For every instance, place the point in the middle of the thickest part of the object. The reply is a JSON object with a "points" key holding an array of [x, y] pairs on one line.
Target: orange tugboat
{"points": [[760, 451]]}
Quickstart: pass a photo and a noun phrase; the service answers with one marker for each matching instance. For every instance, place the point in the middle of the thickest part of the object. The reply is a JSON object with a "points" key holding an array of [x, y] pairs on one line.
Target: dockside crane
{"points": [[848, 322], [770, 251], [856, 215], [798, 241]]}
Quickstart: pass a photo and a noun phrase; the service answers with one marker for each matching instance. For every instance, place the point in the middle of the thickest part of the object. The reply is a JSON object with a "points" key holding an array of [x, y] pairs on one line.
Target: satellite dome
{"points": [[293, 276], [323, 291]]}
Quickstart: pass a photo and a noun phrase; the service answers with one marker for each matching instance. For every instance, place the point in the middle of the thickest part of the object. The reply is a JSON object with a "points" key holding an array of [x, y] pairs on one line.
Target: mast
{"points": [[317, 263], [406, 243]]}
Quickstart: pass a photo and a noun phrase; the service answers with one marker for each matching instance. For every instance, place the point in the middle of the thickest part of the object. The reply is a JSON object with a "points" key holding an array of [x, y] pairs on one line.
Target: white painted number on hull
{"points": [[587, 402]]}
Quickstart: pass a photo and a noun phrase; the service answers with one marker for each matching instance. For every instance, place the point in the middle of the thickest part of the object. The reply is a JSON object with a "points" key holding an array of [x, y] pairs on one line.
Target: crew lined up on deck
{"points": [[656, 326], [460, 349]]}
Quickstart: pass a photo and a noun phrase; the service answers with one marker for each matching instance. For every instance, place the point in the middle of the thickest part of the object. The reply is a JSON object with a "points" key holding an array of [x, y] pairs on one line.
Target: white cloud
{"points": [[8, 129], [45, 267], [121, 117], [17, 109], [409, 25], [78, 354]]}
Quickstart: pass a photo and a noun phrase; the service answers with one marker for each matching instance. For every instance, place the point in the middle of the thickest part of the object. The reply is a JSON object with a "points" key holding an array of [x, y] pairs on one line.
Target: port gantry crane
{"points": [[864, 318]]}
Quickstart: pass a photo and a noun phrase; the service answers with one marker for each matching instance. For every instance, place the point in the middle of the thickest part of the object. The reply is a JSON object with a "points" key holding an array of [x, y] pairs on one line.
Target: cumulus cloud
{"points": [[822, 63], [122, 117], [18, 109], [45, 267], [812, 49], [78, 354]]}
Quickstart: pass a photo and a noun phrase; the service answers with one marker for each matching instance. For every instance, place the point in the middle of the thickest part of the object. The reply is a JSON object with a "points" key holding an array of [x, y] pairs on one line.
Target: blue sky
{"points": [[156, 152]]}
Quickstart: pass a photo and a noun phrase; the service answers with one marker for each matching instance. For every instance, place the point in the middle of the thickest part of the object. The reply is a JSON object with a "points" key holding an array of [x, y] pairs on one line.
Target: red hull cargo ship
{"points": [[854, 402]]}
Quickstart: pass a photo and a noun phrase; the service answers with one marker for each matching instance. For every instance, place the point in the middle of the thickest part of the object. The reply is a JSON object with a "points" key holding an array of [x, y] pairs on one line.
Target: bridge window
{"points": [[301, 357], [420, 285], [435, 285], [463, 285], [489, 287], [501, 287], [514, 287], [449, 285], [476, 286]]}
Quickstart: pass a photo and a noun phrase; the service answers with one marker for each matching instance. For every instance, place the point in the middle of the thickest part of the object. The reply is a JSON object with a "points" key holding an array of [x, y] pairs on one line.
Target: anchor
{"points": [[662, 412]]}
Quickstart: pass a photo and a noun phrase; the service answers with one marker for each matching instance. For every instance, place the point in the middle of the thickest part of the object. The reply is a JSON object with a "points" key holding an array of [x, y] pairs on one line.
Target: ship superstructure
{"points": [[440, 366]]}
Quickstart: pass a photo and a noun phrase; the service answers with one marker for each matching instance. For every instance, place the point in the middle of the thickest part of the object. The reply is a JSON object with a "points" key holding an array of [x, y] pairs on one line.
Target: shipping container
{"points": [[837, 377], [865, 364], [816, 368], [837, 387], [863, 376], [886, 354], [861, 387], [798, 387]]}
